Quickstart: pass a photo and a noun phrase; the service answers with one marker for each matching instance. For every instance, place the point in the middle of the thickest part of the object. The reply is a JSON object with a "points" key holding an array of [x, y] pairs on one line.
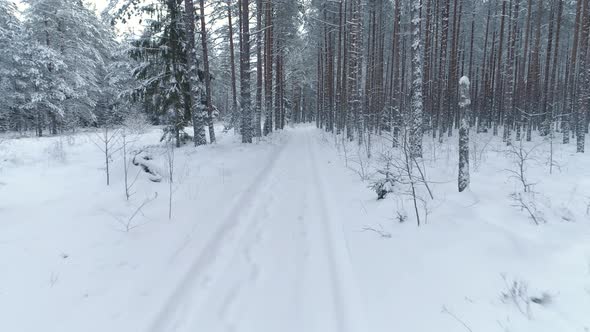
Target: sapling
{"points": [[401, 217], [517, 293], [526, 202], [406, 167], [521, 157], [386, 181], [128, 185], [362, 165], [128, 223], [445, 310], [406, 170], [107, 140], [170, 164], [380, 231], [132, 127]]}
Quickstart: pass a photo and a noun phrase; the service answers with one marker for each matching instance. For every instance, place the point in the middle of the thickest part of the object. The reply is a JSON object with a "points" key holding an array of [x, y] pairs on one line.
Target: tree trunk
{"points": [[584, 83], [268, 72], [572, 73], [235, 113], [510, 80], [259, 74], [207, 74], [246, 99], [465, 112], [416, 107], [193, 107]]}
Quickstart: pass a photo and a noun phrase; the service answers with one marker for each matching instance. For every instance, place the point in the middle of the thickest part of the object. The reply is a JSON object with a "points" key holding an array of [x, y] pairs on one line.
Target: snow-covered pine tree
{"points": [[48, 80], [10, 46], [465, 112], [162, 73], [67, 51], [69, 46]]}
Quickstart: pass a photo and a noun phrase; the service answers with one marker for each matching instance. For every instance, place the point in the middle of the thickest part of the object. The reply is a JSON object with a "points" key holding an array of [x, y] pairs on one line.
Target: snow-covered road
{"points": [[282, 236], [288, 267]]}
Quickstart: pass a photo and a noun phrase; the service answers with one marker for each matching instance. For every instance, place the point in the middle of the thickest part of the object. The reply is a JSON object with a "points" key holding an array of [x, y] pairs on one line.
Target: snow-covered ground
{"points": [[283, 235]]}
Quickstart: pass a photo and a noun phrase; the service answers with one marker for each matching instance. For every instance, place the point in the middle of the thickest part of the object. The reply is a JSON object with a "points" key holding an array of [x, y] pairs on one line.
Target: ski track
{"points": [[349, 317], [288, 266], [170, 317]]}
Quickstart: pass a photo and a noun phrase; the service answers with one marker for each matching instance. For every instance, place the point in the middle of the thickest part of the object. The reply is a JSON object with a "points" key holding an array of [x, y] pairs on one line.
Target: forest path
{"points": [[279, 261]]}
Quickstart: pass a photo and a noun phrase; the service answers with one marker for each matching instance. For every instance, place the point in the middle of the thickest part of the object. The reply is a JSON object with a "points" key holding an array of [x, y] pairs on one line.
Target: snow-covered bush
{"points": [[401, 216], [526, 202], [169, 133], [521, 158], [135, 124], [144, 161], [385, 183], [129, 223], [517, 292]]}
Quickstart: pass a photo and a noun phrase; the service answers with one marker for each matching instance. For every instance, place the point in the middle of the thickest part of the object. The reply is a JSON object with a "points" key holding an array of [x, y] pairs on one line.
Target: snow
{"points": [[273, 236], [464, 80]]}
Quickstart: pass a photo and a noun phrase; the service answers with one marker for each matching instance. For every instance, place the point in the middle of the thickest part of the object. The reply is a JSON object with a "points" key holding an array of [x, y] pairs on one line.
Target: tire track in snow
{"points": [[348, 315], [251, 238], [274, 223], [279, 236], [168, 318]]}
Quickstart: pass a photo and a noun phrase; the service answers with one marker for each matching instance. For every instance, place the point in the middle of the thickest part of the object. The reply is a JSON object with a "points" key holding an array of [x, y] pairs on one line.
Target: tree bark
{"points": [[465, 114], [192, 106], [207, 74], [416, 107], [232, 60], [246, 98]]}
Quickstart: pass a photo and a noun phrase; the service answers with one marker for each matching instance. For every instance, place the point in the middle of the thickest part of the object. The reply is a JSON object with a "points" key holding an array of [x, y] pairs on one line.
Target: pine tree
{"points": [[193, 84], [246, 97], [268, 67], [584, 80], [10, 46], [415, 120], [571, 77], [465, 114], [69, 48], [235, 112], [259, 70], [163, 74], [510, 77], [206, 71]]}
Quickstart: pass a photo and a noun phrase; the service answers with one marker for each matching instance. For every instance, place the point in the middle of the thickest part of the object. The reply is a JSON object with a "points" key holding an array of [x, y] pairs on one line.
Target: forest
{"points": [[294, 165], [378, 66]]}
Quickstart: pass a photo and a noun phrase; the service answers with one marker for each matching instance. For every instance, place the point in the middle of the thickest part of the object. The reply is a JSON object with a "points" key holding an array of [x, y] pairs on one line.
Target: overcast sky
{"points": [[100, 4]]}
